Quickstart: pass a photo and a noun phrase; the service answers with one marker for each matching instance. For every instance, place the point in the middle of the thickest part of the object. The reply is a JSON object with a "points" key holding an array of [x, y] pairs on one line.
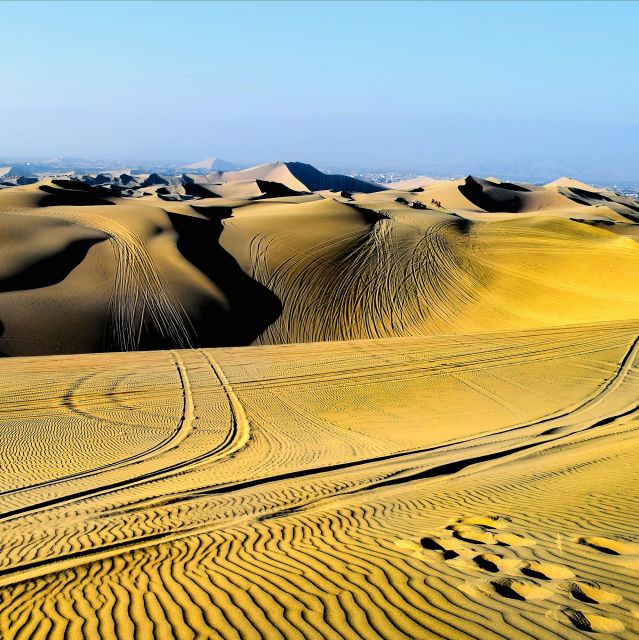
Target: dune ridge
{"points": [[270, 262], [277, 403]]}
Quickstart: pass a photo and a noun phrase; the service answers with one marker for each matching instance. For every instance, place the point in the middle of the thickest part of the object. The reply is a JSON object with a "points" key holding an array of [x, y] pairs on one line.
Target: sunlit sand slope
{"points": [[83, 270], [412, 273], [433, 487]]}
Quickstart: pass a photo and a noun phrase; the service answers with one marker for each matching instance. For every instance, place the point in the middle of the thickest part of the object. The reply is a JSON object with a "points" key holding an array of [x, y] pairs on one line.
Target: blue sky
{"points": [[345, 83]]}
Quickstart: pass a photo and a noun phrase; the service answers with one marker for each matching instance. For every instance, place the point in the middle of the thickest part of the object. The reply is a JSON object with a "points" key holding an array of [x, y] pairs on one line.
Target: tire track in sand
{"points": [[235, 439], [458, 457], [181, 432], [139, 292]]}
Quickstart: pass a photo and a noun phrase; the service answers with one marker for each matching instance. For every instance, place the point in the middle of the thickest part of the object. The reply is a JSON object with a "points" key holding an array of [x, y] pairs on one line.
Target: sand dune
{"points": [[211, 163], [263, 260], [564, 181], [420, 420], [297, 176], [326, 490], [511, 198]]}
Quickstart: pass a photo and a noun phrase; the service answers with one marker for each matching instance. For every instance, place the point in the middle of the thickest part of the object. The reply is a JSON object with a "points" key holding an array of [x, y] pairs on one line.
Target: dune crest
{"points": [[284, 253]]}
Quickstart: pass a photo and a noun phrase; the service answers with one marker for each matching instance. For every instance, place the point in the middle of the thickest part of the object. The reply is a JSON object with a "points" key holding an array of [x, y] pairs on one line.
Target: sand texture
{"points": [[457, 486], [318, 410], [85, 269]]}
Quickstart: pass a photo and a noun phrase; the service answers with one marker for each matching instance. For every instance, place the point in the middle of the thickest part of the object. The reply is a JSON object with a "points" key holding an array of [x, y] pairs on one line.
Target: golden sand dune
{"points": [[84, 269], [460, 486], [565, 181], [432, 434]]}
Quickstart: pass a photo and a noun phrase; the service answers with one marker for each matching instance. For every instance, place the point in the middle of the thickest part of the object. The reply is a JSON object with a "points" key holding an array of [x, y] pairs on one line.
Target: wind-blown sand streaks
{"points": [[328, 490]]}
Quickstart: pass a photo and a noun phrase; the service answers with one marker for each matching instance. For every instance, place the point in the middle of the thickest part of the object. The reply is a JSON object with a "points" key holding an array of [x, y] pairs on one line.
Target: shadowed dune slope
{"points": [[431, 487], [510, 198], [158, 277], [317, 181], [266, 261]]}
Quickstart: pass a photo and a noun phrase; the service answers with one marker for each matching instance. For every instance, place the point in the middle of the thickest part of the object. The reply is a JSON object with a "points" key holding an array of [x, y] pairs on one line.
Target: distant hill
{"points": [[210, 164]]}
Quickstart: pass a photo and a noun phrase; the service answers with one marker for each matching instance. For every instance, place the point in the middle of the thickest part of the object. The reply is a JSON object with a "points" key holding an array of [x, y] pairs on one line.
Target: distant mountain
{"points": [[210, 164]]}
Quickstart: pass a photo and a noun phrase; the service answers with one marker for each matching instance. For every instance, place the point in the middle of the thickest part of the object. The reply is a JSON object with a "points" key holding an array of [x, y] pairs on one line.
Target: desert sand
{"points": [[308, 411], [270, 260]]}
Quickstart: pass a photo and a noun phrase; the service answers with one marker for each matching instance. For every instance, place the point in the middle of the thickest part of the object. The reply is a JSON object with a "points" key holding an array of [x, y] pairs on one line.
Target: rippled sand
{"points": [[460, 486]]}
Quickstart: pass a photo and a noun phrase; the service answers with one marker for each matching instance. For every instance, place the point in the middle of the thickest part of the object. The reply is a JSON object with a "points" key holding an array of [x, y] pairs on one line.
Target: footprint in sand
{"points": [[520, 579], [546, 571], [415, 547], [593, 622], [496, 563], [412, 545], [613, 547], [474, 535], [488, 530], [434, 548], [517, 589], [591, 592], [449, 548], [513, 540]]}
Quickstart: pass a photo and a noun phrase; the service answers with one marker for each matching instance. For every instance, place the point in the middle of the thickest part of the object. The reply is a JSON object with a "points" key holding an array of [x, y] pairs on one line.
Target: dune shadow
{"points": [[2, 353], [591, 198], [493, 198], [315, 180], [463, 225], [49, 270], [198, 191], [251, 306], [271, 189], [370, 216], [74, 194], [587, 195]]}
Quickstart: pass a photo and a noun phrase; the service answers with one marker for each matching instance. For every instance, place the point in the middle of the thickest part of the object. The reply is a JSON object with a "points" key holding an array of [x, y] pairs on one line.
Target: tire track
{"points": [[235, 439], [405, 466], [182, 431]]}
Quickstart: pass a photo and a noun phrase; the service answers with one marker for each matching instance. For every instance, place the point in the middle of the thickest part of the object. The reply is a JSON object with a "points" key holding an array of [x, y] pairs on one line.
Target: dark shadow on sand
{"points": [[71, 193], [51, 269], [493, 197], [251, 306]]}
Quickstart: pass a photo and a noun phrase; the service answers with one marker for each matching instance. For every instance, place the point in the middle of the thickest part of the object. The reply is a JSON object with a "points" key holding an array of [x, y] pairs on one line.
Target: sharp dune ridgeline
{"points": [[277, 403], [283, 253]]}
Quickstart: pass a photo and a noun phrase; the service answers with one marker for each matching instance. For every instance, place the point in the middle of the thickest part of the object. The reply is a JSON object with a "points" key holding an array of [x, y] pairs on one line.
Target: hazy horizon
{"points": [[349, 84]]}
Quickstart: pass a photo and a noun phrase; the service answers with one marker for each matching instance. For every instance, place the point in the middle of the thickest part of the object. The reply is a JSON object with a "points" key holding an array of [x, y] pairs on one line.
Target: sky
{"points": [[368, 84]]}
